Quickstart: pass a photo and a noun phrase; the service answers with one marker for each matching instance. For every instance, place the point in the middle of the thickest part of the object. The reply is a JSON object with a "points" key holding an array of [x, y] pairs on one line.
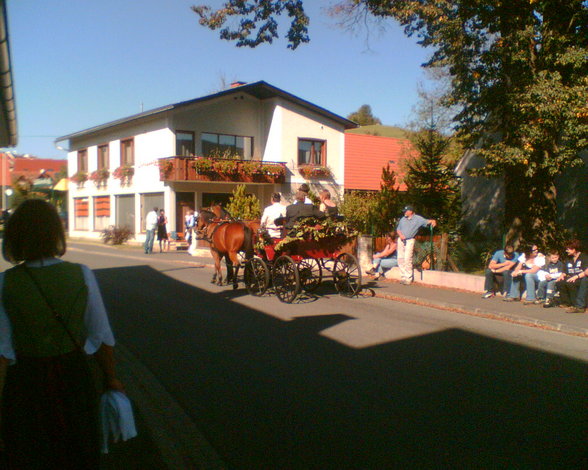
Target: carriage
{"points": [[297, 265]]}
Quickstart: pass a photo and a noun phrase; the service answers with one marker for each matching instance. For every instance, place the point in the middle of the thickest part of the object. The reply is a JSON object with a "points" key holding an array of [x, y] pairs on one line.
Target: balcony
{"points": [[222, 170]]}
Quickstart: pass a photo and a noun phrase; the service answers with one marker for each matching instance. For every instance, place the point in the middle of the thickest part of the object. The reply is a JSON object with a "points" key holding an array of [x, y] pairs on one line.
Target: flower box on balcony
{"points": [[314, 171]]}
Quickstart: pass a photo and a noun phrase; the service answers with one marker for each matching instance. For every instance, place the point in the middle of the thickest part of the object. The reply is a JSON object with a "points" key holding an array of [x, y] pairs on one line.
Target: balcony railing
{"points": [[217, 169]]}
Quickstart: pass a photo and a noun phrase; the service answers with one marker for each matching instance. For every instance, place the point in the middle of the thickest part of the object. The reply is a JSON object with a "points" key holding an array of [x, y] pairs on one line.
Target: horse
{"points": [[227, 238]]}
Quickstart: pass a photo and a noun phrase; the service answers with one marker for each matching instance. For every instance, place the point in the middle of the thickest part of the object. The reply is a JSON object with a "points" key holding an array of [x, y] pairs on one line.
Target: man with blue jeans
{"points": [[150, 228], [527, 268], [407, 228], [499, 270]]}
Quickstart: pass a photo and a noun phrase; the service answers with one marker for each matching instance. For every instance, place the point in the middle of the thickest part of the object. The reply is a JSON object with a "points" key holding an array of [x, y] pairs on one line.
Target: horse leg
{"points": [[235, 264], [217, 277], [229, 265]]}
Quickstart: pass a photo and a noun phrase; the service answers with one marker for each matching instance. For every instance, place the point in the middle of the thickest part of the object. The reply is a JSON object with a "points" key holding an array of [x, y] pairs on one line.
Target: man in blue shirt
{"points": [[407, 228], [499, 271]]}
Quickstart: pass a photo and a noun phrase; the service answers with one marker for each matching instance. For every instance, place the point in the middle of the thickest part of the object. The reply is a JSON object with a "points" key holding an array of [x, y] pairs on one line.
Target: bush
{"points": [[116, 235]]}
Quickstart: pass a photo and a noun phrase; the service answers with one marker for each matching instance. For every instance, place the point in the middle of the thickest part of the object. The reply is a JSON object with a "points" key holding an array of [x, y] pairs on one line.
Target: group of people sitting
{"points": [[279, 219], [546, 279]]}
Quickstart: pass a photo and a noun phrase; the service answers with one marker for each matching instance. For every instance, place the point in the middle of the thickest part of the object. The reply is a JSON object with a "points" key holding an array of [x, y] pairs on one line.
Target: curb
{"points": [[479, 312]]}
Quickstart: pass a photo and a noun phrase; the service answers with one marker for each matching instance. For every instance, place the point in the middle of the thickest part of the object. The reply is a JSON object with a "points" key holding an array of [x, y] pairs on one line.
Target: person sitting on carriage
{"points": [[297, 211], [327, 205], [270, 214]]}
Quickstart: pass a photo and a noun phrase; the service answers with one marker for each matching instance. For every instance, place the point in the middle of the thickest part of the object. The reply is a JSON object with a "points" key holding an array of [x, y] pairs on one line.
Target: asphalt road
{"points": [[346, 383]]}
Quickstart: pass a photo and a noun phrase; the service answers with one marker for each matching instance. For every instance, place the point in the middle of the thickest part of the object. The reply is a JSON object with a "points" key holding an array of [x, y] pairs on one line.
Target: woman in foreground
{"points": [[51, 317]]}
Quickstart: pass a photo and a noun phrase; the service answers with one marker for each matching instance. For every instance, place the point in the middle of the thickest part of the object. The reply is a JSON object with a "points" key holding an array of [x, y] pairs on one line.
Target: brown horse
{"points": [[227, 238]]}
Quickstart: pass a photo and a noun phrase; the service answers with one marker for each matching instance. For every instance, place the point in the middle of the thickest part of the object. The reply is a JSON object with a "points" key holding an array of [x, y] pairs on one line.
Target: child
{"points": [[548, 276]]}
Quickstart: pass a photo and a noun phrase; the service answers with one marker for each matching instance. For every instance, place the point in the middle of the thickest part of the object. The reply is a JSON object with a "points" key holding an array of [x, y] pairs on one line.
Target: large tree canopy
{"points": [[519, 78]]}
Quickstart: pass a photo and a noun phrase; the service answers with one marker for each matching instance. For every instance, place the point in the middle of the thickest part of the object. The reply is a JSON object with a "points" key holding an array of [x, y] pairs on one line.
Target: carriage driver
{"points": [[271, 213], [298, 210]]}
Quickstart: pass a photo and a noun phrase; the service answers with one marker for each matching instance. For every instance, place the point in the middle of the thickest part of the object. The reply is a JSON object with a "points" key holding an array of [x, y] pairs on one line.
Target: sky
{"points": [[78, 64]]}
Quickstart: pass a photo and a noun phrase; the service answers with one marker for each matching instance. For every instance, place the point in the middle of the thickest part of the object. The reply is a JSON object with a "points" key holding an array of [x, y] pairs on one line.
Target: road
{"points": [[346, 383]]}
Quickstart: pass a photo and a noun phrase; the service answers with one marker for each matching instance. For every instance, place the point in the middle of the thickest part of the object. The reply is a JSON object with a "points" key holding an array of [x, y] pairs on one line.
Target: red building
{"points": [[366, 155]]}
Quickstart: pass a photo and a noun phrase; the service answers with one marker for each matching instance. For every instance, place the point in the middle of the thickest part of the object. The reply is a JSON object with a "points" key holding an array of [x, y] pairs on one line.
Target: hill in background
{"points": [[380, 130]]}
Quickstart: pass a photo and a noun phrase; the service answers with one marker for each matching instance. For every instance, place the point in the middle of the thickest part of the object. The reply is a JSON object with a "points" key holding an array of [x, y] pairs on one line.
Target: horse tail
{"points": [[248, 241]]}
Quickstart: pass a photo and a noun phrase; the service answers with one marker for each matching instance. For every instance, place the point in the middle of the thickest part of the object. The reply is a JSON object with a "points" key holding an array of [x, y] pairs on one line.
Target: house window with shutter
{"points": [[81, 213]]}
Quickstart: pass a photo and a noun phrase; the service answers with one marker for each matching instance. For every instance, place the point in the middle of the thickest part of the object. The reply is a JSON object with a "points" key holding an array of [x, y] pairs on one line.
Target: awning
{"points": [[62, 185]]}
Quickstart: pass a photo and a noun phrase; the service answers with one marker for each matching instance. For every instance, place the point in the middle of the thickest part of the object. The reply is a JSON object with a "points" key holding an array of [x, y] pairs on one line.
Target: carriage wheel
{"points": [[285, 279], [256, 276], [311, 274], [347, 275]]}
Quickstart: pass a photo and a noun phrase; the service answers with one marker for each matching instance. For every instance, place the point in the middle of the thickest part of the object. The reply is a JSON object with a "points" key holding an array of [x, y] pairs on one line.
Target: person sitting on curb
{"points": [[574, 286], [548, 276], [385, 259], [529, 263], [499, 271]]}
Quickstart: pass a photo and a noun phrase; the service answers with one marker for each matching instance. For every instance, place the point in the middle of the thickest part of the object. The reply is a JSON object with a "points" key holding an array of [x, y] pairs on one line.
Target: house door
{"points": [[184, 203]]}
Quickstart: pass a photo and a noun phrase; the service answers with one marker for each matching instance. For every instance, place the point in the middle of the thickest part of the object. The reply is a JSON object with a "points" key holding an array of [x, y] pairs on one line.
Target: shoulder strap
{"points": [[56, 314]]}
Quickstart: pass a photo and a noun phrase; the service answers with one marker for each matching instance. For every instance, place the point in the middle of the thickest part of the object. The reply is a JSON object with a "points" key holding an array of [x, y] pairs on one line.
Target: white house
{"points": [[257, 122]]}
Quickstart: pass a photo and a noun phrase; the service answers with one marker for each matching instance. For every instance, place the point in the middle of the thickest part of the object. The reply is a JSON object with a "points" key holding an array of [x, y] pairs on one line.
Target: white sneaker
{"points": [[487, 295]]}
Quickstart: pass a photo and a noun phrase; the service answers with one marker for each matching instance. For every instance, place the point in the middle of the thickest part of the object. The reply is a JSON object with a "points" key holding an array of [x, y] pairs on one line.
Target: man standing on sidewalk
{"points": [[150, 227], [407, 228]]}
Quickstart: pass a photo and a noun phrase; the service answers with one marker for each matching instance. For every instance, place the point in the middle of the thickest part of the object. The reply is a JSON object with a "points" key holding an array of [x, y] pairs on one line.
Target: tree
{"points": [[243, 206], [431, 185], [519, 77], [363, 116]]}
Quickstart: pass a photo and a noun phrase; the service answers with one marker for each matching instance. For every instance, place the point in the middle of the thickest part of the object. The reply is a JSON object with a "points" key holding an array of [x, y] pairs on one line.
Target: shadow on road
{"points": [[274, 394]]}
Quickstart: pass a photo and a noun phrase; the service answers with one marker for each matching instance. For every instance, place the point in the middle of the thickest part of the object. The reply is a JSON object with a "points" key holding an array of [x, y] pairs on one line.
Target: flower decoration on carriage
{"points": [[314, 171], [335, 233]]}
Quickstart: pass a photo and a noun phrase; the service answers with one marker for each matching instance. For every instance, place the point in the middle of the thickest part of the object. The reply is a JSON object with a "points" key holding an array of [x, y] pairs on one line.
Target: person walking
{"points": [[162, 236], [407, 228], [51, 316], [150, 227]]}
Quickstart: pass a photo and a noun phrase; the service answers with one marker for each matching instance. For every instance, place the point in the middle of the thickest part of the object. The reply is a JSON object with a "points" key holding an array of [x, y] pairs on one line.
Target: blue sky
{"points": [[81, 63]]}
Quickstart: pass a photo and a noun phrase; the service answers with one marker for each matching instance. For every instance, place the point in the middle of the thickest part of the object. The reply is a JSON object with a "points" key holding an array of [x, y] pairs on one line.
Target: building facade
{"points": [[188, 155]]}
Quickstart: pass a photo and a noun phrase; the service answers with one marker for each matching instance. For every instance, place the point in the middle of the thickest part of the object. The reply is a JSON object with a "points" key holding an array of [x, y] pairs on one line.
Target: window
{"points": [[103, 157], [81, 213], [101, 212], [312, 152], [83, 160], [185, 143], [148, 202], [233, 144], [125, 211], [127, 152]]}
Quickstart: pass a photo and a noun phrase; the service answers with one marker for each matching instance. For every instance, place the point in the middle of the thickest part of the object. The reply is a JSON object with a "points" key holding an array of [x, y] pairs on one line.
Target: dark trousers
{"points": [[573, 293], [497, 282]]}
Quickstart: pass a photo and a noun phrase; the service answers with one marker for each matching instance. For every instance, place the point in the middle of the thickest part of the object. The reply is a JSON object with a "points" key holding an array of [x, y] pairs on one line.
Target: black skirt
{"points": [[50, 414]]}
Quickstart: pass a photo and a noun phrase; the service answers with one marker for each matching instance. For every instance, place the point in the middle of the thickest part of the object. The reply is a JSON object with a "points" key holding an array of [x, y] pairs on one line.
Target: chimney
{"points": [[236, 84]]}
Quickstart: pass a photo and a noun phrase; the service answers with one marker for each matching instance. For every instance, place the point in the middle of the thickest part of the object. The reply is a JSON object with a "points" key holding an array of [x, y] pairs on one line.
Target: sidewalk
{"points": [[472, 304]]}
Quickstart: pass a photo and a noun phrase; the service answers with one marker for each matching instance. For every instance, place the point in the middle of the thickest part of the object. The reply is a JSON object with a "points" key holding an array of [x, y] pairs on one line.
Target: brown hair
{"points": [[33, 232], [574, 244]]}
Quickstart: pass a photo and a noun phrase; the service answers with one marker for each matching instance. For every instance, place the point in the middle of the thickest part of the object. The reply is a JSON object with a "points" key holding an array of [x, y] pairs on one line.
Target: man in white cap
{"points": [[408, 226]]}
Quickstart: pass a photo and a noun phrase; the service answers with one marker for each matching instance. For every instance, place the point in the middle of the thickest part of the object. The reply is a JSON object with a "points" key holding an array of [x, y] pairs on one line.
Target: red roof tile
{"points": [[366, 155]]}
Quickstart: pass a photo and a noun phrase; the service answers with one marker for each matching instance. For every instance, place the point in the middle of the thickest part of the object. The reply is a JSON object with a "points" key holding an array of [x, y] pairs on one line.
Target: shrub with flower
{"points": [[273, 170]]}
